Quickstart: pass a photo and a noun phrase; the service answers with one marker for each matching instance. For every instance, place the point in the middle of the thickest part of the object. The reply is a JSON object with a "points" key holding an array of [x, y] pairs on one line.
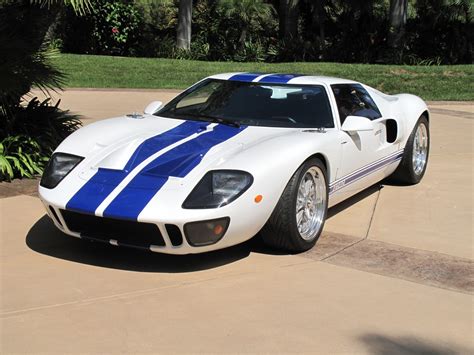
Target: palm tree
{"points": [[29, 133], [183, 32], [246, 11], [25, 59], [397, 21], [80, 6], [289, 13]]}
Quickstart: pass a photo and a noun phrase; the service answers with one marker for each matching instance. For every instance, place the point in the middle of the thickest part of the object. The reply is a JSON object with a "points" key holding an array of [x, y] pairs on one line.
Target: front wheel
{"points": [[298, 219], [415, 157]]}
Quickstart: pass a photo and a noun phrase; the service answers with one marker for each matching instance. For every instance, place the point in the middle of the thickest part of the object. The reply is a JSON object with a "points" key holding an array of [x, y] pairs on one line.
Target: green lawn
{"points": [[431, 83]]}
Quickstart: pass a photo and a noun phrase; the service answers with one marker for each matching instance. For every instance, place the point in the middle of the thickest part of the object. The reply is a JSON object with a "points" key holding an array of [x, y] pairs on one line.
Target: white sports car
{"points": [[234, 155]]}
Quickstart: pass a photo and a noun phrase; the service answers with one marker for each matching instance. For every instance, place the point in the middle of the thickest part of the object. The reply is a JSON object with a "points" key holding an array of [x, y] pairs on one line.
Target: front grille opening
{"points": [[55, 215], [126, 233], [175, 235]]}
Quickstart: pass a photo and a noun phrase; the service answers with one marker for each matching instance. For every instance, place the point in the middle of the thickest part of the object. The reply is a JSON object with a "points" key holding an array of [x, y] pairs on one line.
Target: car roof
{"points": [[280, 78]]}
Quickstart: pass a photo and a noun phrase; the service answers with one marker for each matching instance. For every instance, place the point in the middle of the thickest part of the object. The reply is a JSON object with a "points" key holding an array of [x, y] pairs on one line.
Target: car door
{"points": [[366, 153]]}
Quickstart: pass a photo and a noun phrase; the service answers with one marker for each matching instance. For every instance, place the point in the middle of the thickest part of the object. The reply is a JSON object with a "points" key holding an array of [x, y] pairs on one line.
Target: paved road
{"points": [[392, 273]]}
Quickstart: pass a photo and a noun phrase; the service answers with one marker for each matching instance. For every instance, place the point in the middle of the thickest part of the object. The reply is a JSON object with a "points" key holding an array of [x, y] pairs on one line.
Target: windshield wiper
{"points": [[214, 119]]}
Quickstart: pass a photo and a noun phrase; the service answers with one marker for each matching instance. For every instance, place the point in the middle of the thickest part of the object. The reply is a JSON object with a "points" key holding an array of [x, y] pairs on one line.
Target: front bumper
{"points": [[165, 234]]}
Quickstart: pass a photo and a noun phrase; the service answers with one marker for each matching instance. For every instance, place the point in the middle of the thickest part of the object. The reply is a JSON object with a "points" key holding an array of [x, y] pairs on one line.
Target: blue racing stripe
{"points": [[278, 78], [91, 195], [176, 162], [245, 76], [371, 168], [104, 181], [161, 141]]}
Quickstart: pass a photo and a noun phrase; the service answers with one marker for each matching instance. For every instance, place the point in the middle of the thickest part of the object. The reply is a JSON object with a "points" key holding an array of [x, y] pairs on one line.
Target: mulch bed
{"points": [[19, 187]]}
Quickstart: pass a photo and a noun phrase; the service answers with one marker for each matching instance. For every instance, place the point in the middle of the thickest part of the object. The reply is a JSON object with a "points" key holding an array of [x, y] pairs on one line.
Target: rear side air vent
{"points": [[392, 131]]}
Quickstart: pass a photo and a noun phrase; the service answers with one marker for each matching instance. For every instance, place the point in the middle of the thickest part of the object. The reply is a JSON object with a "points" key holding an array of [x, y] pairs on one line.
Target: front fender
{"points": [[283, 155]]}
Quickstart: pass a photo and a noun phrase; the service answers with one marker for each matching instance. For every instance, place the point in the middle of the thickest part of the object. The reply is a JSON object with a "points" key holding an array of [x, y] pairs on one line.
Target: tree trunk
{"points": [[183, 37], [289, 19], [243, 36], [319, 17], [397, 21]]}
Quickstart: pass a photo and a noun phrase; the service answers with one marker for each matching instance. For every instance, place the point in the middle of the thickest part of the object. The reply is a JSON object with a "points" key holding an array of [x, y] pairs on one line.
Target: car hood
{"points": [[159, 147], [130, 163]]}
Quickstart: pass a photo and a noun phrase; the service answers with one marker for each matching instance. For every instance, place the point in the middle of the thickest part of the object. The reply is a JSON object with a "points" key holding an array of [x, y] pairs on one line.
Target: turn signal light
{"points": [[203, 233]]}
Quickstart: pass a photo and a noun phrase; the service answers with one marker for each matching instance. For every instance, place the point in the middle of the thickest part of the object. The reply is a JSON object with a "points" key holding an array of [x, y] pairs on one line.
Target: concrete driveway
{"points": [[392, 273]]}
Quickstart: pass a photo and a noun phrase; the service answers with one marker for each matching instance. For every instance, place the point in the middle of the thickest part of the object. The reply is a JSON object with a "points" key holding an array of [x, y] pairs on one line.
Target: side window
{"points": [[354, 100]]}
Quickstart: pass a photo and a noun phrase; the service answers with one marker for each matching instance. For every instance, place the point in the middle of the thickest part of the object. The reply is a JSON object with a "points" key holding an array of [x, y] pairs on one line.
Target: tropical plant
{"points": [[29, 132], [247, 12], [251, 52], [80, 6], [20, 156], [33, 132], [23, 63], [48, 124], [116, 27]]}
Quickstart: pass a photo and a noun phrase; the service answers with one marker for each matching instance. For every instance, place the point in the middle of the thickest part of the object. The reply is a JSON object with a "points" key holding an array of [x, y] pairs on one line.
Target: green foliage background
{"points": [[437, 31]]}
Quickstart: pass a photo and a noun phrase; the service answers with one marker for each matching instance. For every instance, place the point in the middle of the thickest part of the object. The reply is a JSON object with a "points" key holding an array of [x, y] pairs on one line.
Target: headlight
{"points": [[58, 167], [218, 188]]}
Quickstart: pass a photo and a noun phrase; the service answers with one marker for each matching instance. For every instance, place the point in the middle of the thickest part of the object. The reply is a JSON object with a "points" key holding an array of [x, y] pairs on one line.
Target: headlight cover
{"points": [[58, 167], [218, 188]]}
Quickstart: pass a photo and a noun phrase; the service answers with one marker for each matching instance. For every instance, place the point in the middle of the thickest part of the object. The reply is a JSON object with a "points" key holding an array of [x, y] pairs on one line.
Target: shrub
{"points": [[20, 156], [29, 136], [116, 27], [48, 124]]}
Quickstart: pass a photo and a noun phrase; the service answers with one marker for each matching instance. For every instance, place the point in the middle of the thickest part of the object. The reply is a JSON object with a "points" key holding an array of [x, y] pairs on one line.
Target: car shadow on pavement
{"points": [[354, 199], [45, 238], [380, 344]]}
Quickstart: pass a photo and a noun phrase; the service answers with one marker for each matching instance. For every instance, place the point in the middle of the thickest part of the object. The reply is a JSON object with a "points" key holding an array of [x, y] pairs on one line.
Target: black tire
{"points": [[405, 172], [281, 231]]}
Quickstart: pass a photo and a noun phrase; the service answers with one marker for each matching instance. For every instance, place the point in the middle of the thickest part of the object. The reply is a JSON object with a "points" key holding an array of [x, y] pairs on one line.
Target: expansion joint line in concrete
{"points": [[366, 234]]}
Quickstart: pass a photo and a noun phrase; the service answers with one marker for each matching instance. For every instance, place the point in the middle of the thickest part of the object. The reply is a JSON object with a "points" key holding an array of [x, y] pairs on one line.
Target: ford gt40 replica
{"points": [[234, 155]]}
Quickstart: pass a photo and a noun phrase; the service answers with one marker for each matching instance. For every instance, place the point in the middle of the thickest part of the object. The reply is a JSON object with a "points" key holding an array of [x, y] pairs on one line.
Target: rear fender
{"points": [[411, 107]]}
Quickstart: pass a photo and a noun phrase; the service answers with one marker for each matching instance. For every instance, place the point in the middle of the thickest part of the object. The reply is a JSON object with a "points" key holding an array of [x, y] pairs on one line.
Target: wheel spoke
{"points": [[299, 216], [311, 203], [420, 149]]}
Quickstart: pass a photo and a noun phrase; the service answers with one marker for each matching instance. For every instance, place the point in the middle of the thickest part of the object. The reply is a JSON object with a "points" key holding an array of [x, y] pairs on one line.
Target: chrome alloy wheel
{"points": [[420, 149], [311, 203]]}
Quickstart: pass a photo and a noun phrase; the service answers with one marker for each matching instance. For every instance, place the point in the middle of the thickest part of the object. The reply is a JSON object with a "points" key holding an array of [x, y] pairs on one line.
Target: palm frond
{"points": [[81, 7]]}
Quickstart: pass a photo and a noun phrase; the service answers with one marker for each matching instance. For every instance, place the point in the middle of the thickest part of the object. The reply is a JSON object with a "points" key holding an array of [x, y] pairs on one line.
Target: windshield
{"points": [[254, 104]]}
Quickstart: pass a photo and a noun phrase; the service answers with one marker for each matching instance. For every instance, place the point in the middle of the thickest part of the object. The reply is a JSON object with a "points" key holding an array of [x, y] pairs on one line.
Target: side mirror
{"points": [[153, 107], [356, 124]]}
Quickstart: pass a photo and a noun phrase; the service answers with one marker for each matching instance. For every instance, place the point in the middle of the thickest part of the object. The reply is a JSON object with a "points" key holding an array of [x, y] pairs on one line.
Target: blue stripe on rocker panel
{"points": [[177, 162], [104, 181], [278, 78]]}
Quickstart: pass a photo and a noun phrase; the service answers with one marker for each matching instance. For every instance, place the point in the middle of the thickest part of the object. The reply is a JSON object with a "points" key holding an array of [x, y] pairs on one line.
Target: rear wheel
{"points": [[298, 219], [415, 157]]}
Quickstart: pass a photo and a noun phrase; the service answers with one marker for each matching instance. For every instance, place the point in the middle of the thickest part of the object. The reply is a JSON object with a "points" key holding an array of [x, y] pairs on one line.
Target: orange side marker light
{"points": [[258, 198]]}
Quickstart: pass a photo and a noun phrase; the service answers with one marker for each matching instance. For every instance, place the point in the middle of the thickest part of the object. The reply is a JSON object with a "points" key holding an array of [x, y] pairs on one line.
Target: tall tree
{"points": [[319, 17], [246, 11], [183, 35], [289, 13], [25, 57], [397, 21]]}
